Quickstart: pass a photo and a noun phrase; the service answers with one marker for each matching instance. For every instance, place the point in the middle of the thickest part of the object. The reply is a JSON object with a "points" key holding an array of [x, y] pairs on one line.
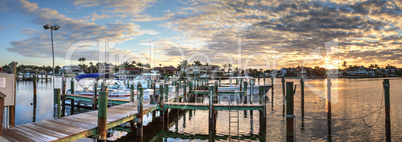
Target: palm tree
{"points": [[345, 64], [140, 65], [133, 64]]}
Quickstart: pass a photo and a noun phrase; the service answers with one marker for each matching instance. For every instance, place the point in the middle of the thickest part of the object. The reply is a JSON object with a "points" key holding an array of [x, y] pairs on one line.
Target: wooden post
{"points": [[289, 112], [132, 93], [72, 107], [252, 83], [161, 103], [258, 80], [63, 94], [2, 96], [57, 97], [165, 99], [140, 107], [72, 85], [95, 96], [185, 90], [245, 92], [46, 77], [102, 116], [34, 100], [283, 92], [272, 93], [387, 110], [302, 101], [12, 108], [329, 115], [264, 79], [219, 81], [177, 94], [211, 109]]}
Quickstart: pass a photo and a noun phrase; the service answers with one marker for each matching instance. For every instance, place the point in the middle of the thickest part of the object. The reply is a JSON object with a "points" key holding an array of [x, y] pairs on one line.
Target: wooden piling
{"points": [[72, 85], [387, 110], [283, 93], [289, 112], [132, 93], [95, 96], [161, 102], [245, 92], [259, 80], [102, 116], [211, 109], [185, 90], [72, 107], [177, 93], [34, 100], [302, 101], [13, 66], [140, 107], [272, 93], [2, 96], [329, 112], [63, 94], [57, 98]]}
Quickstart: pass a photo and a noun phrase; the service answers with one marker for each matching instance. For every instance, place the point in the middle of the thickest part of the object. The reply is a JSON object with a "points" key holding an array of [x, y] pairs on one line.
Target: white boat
{"points": [[234, 87], [145, 79], [116, 88]]}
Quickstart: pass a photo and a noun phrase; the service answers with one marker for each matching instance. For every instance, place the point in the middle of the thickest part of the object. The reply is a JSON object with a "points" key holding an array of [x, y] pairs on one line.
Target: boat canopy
{"points": [[97, 76]]}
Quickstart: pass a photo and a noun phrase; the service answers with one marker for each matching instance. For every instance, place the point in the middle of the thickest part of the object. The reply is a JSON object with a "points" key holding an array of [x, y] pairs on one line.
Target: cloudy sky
{"points": [[246, 33]]}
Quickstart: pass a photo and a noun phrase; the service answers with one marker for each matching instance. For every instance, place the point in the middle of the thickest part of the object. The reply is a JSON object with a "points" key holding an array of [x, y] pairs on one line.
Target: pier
{"points": [[95, 123]]}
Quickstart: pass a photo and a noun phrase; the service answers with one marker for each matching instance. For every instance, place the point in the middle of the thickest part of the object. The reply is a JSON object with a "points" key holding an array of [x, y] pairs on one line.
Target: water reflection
{"points": [[356, 98]]}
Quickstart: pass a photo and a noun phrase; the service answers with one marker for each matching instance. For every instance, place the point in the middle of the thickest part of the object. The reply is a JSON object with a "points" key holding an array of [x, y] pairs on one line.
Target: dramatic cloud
{"points": [[72, 31], [367, 31]]}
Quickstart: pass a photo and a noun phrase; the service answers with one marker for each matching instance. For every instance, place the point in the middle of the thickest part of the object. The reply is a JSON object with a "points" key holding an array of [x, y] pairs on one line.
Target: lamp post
{"points": [[55, 27]]}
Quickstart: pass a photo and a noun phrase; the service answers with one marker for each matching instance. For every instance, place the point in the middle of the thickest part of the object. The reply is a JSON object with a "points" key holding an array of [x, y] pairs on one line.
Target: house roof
{"points": [[170, 68], [132, 69]]}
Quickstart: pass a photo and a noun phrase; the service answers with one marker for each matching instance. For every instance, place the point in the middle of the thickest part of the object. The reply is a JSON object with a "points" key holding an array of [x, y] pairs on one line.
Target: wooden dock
{"points": [[74, 127]]}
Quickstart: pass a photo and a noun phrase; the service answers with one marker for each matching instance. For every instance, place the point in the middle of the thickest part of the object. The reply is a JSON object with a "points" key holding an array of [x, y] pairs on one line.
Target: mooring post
{"points": [[252, 83], [13, 66], [289, 112], [264, 79], [57, 102], [387, 110], [211, 109], [302, 102], [95, 96], [329, 113], [185, 90], [34, 92], [215, 96], [161, 103], [2, 96], [72, 85], [34, 100], [132, 93], [72, 107], [258, 79], [219, 81], [284, 98], [272, 93], [177, 94], [140, 107], [102, 116], [166, 99], [245, 92]]}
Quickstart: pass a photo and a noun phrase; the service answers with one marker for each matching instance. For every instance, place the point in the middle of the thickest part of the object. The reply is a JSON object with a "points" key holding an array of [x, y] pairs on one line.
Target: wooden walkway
{"points": [[78, 126]]}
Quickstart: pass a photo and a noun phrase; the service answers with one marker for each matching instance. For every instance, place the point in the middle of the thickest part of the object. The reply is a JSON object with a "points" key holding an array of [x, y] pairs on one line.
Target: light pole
{"points": [[55, 27]]}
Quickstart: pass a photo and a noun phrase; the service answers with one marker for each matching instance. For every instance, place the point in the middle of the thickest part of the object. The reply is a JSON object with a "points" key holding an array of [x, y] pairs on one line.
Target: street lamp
{"points": [[52, 28]]}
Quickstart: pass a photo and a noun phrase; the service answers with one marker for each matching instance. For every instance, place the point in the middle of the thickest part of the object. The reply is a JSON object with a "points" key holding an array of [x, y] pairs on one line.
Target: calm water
{"points": [[352, 98]]}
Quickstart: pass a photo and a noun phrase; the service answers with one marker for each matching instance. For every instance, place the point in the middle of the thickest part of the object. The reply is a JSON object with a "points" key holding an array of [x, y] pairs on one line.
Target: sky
{"points": [[247, 34]]}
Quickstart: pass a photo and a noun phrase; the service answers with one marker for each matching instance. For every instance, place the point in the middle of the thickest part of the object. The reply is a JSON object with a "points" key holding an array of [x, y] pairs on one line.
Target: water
{"points": [[352, 98]]}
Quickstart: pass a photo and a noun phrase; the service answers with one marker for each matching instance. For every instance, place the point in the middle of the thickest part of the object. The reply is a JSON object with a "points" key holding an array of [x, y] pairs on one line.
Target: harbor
{"points": [[216, 71]]}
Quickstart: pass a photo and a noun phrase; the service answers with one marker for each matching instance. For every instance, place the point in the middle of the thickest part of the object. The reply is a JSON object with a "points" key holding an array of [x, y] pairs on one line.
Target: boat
{"points": [[116, 87], [234, 87]]}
